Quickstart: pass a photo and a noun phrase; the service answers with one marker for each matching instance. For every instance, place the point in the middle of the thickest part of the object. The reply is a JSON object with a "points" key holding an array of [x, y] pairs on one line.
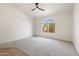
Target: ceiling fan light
{"points": [[36, 9]]}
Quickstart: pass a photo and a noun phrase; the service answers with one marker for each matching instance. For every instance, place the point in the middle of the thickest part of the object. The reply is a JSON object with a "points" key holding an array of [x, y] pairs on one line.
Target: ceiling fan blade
{"points": [[41, 9], [33, 9]]}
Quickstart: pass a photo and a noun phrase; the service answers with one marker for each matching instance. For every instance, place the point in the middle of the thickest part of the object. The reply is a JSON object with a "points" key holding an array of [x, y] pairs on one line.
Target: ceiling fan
{"points": [[37, 7]]}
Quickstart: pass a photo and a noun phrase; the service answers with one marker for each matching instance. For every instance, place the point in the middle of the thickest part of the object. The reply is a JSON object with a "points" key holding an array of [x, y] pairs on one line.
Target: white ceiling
{"points": [[50, 8]]}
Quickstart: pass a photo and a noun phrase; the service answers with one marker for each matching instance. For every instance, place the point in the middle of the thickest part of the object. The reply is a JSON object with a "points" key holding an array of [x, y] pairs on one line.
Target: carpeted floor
{"points": [[39, 46]]}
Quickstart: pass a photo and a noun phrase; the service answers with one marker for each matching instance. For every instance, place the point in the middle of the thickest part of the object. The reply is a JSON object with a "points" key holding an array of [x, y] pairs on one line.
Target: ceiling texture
{"points": [[50, 8]]}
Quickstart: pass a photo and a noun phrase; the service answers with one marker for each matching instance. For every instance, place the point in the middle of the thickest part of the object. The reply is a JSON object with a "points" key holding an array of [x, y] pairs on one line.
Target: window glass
{"points": [[48, 25]]}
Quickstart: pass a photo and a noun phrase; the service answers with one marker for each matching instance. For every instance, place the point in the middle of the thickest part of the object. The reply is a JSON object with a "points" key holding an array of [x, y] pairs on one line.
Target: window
{"points": [[48, 25]]}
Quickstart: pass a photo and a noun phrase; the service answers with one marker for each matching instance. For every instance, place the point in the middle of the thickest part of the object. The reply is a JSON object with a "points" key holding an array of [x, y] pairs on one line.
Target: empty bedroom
{"points": [[39, 29]]}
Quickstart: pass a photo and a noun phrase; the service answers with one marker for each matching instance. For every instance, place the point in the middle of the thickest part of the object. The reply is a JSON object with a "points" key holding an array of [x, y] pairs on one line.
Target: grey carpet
{"points": [[39, 46]]}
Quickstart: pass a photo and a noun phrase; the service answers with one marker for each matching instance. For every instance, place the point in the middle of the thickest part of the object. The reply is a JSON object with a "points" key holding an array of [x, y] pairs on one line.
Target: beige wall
{"points": [[13, 24], [76, 26], [63, 27]]}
